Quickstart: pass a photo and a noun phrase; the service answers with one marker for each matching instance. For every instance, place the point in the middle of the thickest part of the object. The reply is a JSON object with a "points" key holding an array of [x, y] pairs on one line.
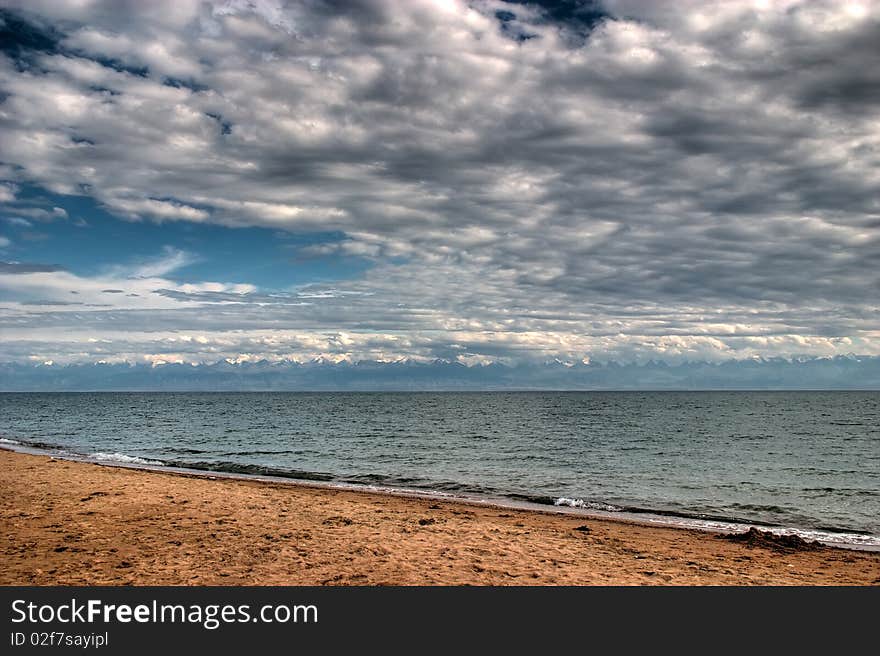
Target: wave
{"points": [[121, 457], [175, 449], [717, 520], [588, 505], [34, 444], [255, 453], [252, 470]]}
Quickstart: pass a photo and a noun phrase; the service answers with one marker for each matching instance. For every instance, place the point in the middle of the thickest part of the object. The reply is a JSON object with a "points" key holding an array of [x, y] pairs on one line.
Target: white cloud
{"points": [[7, 193], [36, 213], [159, 210], [170, 260], [677, 184]]}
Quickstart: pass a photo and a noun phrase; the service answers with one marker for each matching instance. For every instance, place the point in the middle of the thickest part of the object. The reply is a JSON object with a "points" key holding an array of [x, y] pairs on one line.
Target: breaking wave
{"points": [[121, 457], [589, 505]]}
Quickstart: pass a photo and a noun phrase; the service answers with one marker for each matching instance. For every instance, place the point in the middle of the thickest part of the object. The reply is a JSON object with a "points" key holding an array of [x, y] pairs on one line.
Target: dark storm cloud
{"points": [[563, 177]]}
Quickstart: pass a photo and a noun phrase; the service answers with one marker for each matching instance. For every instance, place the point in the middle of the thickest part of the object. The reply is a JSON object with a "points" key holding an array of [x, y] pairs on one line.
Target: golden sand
{"points": [[73, 523]]}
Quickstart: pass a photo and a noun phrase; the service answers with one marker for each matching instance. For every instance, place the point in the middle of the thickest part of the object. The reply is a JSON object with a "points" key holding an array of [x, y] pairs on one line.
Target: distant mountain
{"points": [[842, 372]]}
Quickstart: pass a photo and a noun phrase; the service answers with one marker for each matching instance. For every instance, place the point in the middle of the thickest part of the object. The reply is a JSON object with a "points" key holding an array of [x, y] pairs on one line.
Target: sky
{"points": [[475, 182]]}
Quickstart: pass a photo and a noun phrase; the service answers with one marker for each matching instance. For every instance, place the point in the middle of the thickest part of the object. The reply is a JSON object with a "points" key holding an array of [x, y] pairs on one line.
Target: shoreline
{"points": [[67, 522], [837, 539]]}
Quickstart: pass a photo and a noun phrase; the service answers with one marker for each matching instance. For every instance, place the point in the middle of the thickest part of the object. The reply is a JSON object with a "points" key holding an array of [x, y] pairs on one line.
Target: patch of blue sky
{"points": [[91, 241]]}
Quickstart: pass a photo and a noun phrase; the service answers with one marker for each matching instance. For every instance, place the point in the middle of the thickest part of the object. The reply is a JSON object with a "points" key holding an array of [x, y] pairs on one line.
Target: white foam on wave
{"points": [[121, 457], [3, 440], [589, 505]]}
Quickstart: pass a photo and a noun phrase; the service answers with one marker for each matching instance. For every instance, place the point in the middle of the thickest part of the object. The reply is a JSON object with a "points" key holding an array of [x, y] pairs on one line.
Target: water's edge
{"points": [[852, 541]]}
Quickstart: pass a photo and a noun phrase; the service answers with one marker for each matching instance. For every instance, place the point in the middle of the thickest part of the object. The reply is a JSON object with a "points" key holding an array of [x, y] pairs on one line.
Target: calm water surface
{"points": [[807, 460]]}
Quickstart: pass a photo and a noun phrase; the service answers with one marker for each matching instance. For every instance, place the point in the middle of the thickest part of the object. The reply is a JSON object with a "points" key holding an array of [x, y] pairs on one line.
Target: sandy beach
{"points": [[73, 523]]}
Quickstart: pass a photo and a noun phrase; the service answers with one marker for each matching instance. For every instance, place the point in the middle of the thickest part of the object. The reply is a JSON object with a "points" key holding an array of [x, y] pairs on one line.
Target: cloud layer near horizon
{"points": [[687, 181]]}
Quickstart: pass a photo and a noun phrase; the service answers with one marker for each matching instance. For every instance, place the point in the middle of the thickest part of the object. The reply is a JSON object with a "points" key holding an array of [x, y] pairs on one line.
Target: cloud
{"points": [[35, 213], [171, 259], [27, 267], [18, 222], [158, 210], [34, 298], [7, 193], [635, 180]]}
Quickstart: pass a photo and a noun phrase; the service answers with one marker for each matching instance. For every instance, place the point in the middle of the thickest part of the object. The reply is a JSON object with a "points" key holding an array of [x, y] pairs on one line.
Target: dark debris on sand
{"points": [[783, 543]]}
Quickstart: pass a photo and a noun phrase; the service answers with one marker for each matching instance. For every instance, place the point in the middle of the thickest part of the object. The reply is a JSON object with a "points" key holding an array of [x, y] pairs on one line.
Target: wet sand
{"points": [[73, 523]]}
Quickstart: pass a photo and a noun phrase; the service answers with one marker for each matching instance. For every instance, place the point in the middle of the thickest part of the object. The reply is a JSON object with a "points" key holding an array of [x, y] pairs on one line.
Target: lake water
{"points": [[802, 460]]}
